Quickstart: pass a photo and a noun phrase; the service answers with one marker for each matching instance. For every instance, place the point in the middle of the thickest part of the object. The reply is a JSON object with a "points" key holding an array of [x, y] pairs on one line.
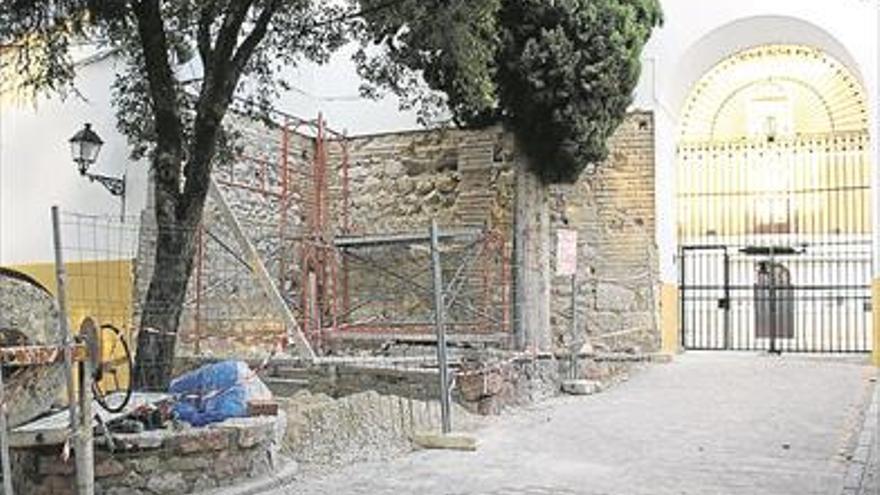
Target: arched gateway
{"points": [[774, 205]]}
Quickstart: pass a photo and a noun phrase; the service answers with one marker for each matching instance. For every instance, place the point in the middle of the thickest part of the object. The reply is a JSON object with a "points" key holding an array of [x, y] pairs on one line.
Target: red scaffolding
{"points": [[303, 179]]}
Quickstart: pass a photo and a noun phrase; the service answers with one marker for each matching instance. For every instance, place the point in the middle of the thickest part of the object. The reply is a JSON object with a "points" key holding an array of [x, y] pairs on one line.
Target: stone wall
{"points": [[398, 182], [226, 311], [612, 209], [162, 461]]}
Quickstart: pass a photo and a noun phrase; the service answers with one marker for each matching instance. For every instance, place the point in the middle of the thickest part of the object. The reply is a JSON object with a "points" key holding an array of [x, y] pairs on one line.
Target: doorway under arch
{"points": [[773, 167]]}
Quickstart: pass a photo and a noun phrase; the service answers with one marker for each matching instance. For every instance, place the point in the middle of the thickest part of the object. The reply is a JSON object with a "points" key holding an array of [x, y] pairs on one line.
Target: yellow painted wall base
{"points": [[875, 309], [99, 289], [669, 319]]}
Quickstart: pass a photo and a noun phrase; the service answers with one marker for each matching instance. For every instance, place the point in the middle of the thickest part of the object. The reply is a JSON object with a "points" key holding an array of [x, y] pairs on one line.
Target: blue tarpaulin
{"points": [[216, 392]]}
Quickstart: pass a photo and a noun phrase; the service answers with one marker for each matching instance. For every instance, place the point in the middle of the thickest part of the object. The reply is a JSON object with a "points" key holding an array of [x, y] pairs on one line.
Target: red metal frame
{"points": [[309, 261]]}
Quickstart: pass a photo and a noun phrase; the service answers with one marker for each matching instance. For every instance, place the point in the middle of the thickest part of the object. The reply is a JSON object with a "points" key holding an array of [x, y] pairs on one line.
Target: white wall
{"points": [[698, 34], [36, 170]]}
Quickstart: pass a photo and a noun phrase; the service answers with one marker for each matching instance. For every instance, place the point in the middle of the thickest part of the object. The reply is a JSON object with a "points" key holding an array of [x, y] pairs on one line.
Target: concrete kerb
{"points": [[282, 477], [448, 441], [862, 454]]}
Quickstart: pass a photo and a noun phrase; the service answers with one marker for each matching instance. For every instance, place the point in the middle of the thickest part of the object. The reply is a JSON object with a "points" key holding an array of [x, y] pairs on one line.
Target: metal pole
{"points": [[67, 341], [728, 341], [440, 325], [122, 198], [4, 440], [682, 300], [574, 327], [772, 297]]}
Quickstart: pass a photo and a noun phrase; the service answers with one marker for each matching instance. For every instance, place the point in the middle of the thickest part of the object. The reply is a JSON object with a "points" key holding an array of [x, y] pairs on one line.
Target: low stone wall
{"points": [[161, 461]]}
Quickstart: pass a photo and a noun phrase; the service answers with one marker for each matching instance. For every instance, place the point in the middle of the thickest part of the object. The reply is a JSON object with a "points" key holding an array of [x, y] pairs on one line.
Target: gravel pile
{"points": [[323, 432]]}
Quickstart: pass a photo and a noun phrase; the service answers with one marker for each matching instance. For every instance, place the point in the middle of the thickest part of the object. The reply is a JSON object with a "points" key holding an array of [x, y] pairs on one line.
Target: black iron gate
{"points": [[803, 298]]}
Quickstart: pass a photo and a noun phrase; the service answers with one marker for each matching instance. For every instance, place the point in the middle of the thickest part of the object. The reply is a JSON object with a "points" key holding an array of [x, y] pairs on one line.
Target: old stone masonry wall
{"points": [[399, 182], [613, 211]]}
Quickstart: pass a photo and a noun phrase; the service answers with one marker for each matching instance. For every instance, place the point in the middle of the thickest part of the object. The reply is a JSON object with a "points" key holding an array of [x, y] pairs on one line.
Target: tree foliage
{"points": [[183, 63], [559, 73]]}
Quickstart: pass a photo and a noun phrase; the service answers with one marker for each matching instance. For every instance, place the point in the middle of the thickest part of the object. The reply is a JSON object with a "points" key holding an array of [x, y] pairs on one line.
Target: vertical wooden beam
{"points": [[85, 445], [531, 261], [4, 440]]}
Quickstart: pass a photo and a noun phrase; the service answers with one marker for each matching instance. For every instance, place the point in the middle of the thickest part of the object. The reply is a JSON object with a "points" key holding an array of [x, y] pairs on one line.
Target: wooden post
{"points": [[4, 439], [85, 446]]}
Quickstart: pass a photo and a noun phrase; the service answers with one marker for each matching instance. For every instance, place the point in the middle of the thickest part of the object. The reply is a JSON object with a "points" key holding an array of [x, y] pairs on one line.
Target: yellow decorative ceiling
{"points": [[771, 91]]}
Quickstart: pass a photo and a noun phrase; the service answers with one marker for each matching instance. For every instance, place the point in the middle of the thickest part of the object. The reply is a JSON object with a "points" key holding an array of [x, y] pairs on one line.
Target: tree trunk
{"points": [[532, 260], [163, 305]]}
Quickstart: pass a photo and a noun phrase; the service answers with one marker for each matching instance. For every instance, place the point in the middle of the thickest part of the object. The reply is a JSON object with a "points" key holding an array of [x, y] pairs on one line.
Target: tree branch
{"points": [[227, 36], [169, 128], [216, 94], [257, 34], [203, 36]]}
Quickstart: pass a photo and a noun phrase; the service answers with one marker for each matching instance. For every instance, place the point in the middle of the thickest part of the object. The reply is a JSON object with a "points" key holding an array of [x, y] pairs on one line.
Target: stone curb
{"points": [[447, 441], [857, 465], [271, 481]]}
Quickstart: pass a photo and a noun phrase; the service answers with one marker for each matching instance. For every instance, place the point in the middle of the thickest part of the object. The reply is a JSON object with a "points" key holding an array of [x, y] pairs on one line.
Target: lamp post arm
{"points": [[115, 185]]}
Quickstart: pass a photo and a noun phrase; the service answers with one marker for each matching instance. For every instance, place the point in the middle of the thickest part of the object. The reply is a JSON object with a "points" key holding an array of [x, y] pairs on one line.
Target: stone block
{"points": [[141, 441], [53, 465], [250, 432], [193, 463], [107, 467], [448, 441], [200, 440], [581, 387], [167, 483], [144, 464]]}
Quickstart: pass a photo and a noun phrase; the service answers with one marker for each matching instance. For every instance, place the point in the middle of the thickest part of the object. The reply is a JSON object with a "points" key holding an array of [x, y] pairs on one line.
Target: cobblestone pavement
{"points": [[708, 423]]}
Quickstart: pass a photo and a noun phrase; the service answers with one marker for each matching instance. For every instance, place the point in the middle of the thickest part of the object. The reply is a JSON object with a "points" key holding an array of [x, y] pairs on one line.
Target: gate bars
{"points": [[804, 298], [775, 239]]}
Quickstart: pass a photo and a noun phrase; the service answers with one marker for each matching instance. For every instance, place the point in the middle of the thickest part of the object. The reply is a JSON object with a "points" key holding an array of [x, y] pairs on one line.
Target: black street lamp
{"points": [[84, 147]]}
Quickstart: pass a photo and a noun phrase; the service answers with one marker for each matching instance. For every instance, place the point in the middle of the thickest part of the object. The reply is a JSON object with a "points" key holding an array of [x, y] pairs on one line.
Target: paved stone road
{"points": [[705, 424]]}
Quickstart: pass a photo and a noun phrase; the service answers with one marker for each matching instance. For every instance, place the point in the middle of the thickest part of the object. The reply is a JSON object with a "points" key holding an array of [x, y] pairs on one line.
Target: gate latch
{"points": [[724, 303]]}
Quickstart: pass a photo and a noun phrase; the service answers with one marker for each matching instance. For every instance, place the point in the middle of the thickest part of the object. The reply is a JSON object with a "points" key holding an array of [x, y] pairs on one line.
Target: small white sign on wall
{"points": [[566, 252]]}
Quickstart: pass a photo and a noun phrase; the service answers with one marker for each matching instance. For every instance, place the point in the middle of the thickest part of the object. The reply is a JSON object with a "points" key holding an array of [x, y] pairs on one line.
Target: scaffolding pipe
{"points": [[440, 326]]}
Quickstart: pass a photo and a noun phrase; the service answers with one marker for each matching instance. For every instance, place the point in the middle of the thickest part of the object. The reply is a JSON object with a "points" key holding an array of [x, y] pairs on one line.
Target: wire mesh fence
{"points": [[387, 286], [226, 312]]}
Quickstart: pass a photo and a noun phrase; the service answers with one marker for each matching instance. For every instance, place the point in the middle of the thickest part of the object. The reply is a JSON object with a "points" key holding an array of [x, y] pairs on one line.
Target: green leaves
{"points": [[560, 74], [450, 44]]}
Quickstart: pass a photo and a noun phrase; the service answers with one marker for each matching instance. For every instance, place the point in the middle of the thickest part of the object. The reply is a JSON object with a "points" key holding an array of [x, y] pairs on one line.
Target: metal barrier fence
{"points": [[229, 312]]}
